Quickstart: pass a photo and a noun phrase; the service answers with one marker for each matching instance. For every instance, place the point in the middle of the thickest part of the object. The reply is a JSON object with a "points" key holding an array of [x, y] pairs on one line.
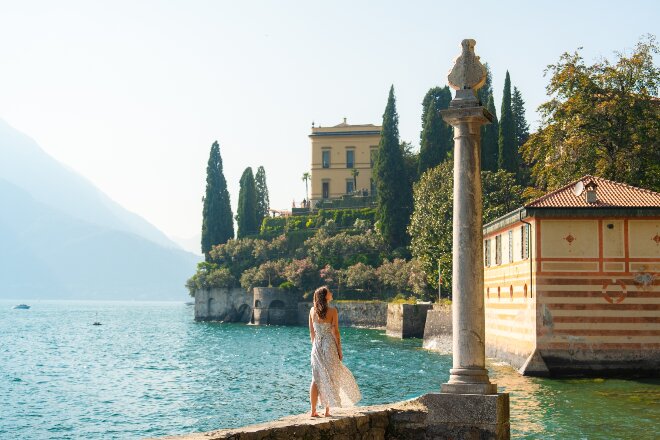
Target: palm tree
{"points": [[305, 178], [355, 172]]}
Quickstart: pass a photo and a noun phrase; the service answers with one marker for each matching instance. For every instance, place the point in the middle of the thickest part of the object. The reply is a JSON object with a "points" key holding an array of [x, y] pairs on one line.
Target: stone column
{"points": [[466, 115]]}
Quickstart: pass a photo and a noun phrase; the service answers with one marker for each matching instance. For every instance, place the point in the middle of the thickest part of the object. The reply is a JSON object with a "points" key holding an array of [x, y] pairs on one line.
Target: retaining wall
{"points": [[228, 305], [406, 320], [437, 330], [370, 314], [274, 306]]}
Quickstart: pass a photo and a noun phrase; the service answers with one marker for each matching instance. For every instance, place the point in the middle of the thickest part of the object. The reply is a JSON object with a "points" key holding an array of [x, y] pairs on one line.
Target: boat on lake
{"points": [[22, 307]]}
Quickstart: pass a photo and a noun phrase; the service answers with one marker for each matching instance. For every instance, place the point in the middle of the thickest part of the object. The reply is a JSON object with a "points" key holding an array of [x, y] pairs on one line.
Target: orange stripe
{"points": [[587, 332], [610, 319], [622, 306], [595, 294], [601, 346]]}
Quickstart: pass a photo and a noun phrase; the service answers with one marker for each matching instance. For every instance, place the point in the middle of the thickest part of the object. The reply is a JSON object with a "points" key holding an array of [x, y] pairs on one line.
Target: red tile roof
{"points": [[608, 194]]}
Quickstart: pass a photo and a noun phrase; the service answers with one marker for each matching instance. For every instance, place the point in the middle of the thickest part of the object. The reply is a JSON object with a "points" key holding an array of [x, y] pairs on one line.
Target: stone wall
{"points": [[432, 416], [228, 305], [370, 314], [437, 330], [274, 306], [406, 320]]}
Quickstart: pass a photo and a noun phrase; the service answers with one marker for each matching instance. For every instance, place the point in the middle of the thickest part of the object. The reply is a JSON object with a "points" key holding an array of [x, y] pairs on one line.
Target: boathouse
{"points": [[571, 282]]}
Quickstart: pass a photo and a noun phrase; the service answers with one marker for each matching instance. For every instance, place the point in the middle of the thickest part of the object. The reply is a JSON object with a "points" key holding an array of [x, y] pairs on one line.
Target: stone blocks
{"points": [[406, 320]]}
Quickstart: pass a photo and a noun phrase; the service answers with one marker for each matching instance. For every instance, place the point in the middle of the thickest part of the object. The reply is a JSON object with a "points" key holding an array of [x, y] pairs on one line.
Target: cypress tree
{"points": [[394, 199], [436, 136], [521, 130], [217, 222], [507, 159], [489, 139], [246, 213], [263, 201], [486, 90]]}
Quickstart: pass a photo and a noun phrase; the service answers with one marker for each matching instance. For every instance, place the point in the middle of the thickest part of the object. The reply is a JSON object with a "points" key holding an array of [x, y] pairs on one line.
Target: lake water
{"points": [[150, 370]]}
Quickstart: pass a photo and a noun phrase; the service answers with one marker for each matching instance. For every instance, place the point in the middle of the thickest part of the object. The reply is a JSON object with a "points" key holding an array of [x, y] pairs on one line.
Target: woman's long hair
{"points": [[320, 301]]}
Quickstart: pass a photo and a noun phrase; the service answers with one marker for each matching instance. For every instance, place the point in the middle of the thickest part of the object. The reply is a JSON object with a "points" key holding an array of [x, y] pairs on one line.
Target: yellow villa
{"points": [[571, 282], [336, 152]]}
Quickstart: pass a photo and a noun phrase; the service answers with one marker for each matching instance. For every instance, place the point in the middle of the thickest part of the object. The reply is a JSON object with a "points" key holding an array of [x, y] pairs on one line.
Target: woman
{"points": [[332, 382]]}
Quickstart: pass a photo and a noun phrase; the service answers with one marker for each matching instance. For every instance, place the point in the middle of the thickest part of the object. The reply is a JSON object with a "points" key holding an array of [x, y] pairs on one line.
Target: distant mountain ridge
{"points": [[48, 181], [61, 237]]}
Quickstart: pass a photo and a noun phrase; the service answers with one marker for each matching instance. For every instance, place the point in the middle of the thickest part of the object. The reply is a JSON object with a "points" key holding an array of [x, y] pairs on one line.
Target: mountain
{"points": [[26, 165], [90, 249], [191, 244]]}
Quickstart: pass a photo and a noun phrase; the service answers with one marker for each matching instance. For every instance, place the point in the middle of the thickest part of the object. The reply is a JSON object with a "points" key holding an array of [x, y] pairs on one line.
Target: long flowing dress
{"points": [[336, 384]]}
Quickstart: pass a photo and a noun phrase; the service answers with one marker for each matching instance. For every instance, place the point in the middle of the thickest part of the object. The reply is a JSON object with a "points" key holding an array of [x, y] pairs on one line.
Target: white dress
{"points": [[336, 384]]}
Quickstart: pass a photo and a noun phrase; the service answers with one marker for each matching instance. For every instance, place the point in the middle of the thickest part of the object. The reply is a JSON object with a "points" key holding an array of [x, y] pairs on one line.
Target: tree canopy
{"points": [[601, 118], [508, 153], [217, 218], [246, 213], [436, 136], [263, 201], [393, 199]]}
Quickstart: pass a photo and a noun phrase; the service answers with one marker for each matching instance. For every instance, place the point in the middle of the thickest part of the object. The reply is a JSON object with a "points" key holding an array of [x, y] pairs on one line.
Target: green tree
{"points": [[263, 201], [601, 119], [306, 178], [521, 130], [217, 222], [489, 132], [507, 158], [436, 135], [393, 199], [246, 213], [431, 222], [489, 139]]}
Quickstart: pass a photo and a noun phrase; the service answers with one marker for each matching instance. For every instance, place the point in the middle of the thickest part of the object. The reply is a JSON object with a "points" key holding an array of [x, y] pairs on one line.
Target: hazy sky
{"points": [[132, 93]]}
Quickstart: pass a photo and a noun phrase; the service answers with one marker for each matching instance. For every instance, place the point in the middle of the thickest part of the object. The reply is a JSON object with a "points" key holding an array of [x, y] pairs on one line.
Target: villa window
{"points": [[510, 247], [524, 241], [349, 187], [487, 252], [326, 158], [498, 249], [326, 190], [350, 158]]}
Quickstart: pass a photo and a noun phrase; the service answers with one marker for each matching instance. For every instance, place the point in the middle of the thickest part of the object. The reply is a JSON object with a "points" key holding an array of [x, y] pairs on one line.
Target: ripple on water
{"points": [[151, 371]]}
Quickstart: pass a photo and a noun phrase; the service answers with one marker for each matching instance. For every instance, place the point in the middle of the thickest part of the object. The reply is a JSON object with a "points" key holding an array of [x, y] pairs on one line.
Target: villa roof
{"points": [[609, 194]]}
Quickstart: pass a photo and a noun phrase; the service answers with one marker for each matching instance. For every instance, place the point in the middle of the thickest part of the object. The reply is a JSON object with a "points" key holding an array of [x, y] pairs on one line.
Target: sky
{"points": [[131, 94]]}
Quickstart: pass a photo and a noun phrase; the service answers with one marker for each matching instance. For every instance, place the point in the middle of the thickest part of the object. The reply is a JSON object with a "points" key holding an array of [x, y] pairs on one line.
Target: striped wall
{"points": [[592, 303], [510, 299], [598, 295]]}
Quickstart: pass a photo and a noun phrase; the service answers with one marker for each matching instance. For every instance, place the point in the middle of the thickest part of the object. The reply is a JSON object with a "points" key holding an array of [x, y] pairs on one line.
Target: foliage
{"points": [[241, 254], [489, 139], [601, 119], [217, 223], [246, 213], [431, 222], [436, 136], [302, 274], [342, 250], [508, 153], [361, 276], [521, 132], [393, 199], [268, 274], [263, 200], [209, 276], [344, 218]]}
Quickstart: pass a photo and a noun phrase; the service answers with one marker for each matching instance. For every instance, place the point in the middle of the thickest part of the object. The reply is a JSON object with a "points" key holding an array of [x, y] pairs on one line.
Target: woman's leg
{"points": [[313, 398], [327, 411]]}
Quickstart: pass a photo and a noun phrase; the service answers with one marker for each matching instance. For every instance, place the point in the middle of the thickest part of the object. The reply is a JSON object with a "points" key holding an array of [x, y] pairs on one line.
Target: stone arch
{"points": [[511, 292], [243, 314], [209, 308], [257, 303]]}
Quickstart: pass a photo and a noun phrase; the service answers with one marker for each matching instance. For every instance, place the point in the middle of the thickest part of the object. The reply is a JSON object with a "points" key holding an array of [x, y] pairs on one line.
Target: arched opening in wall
{"points": [[257, 303], [277, 313], [209, 308], [498, 292], [525, 291], [511, 292], [243, 314]]}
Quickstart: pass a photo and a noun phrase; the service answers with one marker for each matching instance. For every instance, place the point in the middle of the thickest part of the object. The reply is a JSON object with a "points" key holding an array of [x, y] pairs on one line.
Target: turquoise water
{"points": [[150, 370]]}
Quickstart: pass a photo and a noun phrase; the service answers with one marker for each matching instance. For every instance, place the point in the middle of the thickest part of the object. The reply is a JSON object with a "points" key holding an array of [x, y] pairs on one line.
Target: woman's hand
{"points": [[341, 355]]}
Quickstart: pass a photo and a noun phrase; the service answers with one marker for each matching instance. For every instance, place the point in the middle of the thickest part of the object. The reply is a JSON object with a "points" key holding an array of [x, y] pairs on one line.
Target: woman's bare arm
{"points": [[335, 328], [311, 325]]}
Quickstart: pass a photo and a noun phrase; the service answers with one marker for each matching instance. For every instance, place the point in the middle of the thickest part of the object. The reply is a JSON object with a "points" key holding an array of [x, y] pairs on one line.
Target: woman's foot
{"points": [[314, 414], [327, 412]]}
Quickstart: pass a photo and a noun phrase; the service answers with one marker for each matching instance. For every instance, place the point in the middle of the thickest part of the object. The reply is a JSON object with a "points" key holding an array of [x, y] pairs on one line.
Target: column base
{"points": [[469, 381]]}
